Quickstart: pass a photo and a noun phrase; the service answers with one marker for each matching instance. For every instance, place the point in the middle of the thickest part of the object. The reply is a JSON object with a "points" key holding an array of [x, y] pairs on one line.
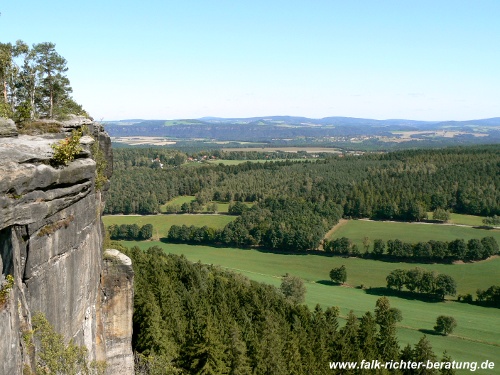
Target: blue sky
{"points": [[154, 59]]}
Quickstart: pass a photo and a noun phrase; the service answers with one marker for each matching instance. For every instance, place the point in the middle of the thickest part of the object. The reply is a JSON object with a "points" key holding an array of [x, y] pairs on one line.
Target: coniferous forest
{"points": [[400, 185], [201, 319], [296, 203], [194, 318]]}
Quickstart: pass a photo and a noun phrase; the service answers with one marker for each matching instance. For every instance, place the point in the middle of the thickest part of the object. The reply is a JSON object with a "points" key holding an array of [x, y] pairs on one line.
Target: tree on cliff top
{"points": [[52, 70], [34, 82]]}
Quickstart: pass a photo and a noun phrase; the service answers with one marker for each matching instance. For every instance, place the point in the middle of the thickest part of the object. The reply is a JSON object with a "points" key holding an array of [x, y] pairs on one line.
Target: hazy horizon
{"points": [[426, 60]]}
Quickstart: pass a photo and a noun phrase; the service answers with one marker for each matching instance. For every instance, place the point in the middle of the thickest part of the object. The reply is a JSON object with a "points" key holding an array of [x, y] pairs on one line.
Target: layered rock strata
{"points": [[51, 238], [117, 295]]}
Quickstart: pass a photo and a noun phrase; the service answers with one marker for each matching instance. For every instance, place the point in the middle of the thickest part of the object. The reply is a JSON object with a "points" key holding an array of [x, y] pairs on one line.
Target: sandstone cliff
{"points": [[51, 238]]}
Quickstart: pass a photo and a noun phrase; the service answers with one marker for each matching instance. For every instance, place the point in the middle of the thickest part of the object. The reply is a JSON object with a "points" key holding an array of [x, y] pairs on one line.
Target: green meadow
{"points": [[356, 230], [182, 199], [476, 338], [162, 223], [178, 201], [466, 219], [222, 207], [461, 219]]}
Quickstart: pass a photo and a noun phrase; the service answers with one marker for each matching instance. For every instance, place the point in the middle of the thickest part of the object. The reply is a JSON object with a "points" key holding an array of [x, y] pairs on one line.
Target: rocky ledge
{"points": [[51, 238]]}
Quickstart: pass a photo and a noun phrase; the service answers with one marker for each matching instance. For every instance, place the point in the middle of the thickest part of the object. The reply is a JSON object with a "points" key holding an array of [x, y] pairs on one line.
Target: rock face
{"points": [[51, 237], [7, 128], [117, 296]]}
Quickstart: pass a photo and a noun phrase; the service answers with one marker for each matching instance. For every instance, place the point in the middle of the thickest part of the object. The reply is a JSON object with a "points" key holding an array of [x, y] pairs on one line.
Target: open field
{"points": [[466, 219], [287, 149], [410, 232], [405, 136], [408, 135], [236, 162], [476, 338], [182, 199], [162, 223], [222, 207], [137, 141], [461, 219]]}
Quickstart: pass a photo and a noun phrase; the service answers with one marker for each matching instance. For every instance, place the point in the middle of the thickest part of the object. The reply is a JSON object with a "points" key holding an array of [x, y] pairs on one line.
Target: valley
{"points": [[264, 213]]}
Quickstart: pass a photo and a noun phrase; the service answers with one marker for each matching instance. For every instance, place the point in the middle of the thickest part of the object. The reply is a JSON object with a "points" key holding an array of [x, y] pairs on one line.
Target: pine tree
{"points": [[447, 361], [407, 356], [292, 356], [387, 341], [367, 336], [422, 352], [348, 339], [148, 322], [238, 360], [51, 68], [269, 358], [203, 352]]}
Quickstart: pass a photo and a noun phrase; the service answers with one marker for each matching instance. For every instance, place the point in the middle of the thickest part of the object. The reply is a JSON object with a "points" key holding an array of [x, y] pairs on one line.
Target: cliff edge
{"points": [[51, 243]]}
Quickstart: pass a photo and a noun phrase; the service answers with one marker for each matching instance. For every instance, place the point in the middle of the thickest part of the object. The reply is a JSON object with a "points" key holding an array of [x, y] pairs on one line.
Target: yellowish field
{"points": [[287, 149], [406, 136], [136, 141]]}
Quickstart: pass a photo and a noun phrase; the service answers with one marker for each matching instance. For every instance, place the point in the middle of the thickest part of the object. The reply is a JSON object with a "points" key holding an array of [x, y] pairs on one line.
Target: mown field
{"points": [[308, 149], [162, 223], [477, 337], [466, 219], [178, 201], [461, 219], [356, 230], [236, 162], [221, 207]]}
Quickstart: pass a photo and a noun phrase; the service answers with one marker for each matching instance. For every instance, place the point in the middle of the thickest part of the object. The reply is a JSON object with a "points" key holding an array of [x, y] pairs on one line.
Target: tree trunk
{"points": [[51, 91], [5, 92], [32, 104], [51, 103]]}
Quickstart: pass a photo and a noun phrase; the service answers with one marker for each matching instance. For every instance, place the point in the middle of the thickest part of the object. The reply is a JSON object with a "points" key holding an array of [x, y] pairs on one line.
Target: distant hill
{"points": [[338, 129]]}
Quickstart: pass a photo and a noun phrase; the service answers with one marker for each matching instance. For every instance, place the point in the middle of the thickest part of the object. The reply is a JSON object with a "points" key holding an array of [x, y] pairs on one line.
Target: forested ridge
{"points": [[297, 202], [192, 318], [398, 185], [365, 134]]}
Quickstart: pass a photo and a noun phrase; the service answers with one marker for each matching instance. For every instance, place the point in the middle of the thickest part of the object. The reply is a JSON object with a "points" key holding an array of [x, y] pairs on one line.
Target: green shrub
{"points": [[55, 357], [66, 150], [101, 165], [441, 215], [52, 228], [339, 274], [445, 324], [5, 110], [5, 289]]}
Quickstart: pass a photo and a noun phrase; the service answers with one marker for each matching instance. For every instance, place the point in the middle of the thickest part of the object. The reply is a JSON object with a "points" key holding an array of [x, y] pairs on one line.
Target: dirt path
{"points": [[328, 234], [477, 261]]}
